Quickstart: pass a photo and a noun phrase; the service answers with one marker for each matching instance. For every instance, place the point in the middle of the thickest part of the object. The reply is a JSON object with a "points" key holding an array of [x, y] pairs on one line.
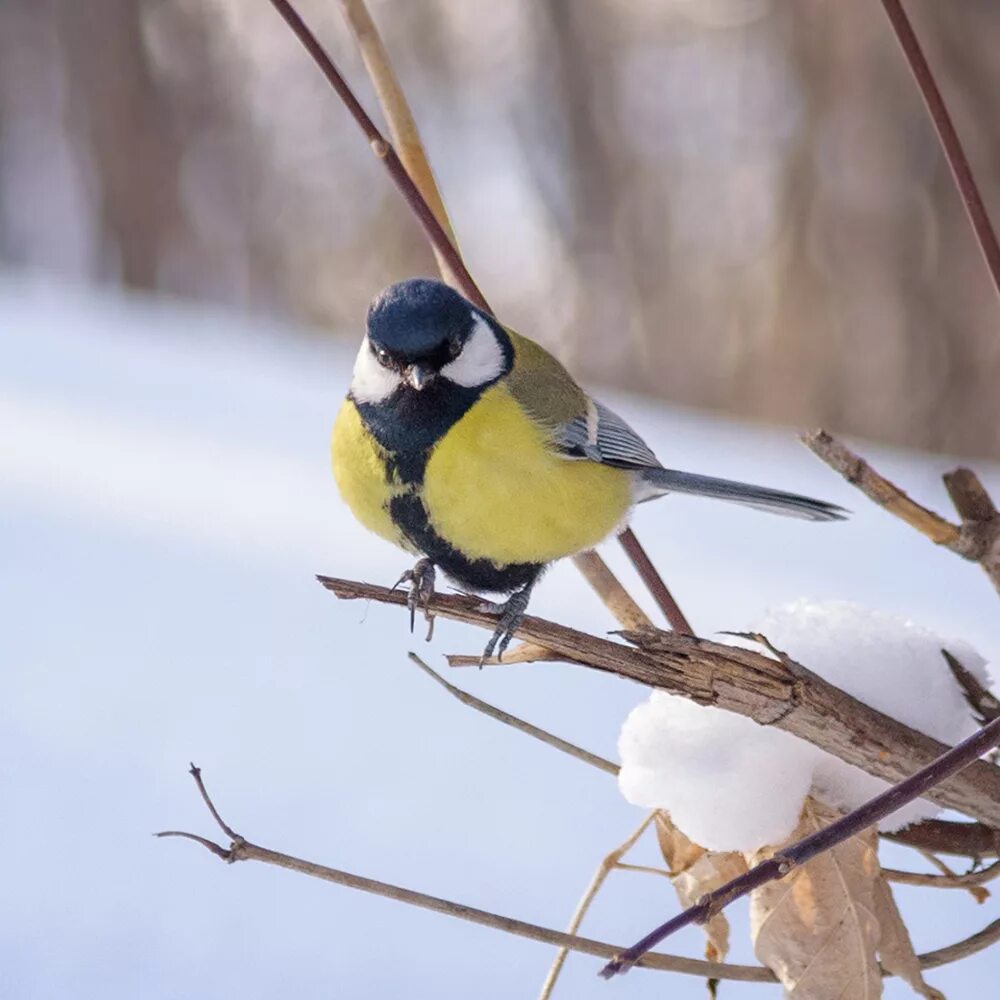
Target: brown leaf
{"points": [[895, 945], [695, 871], [816, 928]]}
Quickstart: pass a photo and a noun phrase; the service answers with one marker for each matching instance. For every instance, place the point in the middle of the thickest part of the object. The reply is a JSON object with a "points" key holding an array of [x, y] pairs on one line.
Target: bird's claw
{"points": [[511, 614], [421, 581]]}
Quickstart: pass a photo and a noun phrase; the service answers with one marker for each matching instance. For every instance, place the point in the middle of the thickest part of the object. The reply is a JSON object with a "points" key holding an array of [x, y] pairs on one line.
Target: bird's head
{"points": [[420, 331]]}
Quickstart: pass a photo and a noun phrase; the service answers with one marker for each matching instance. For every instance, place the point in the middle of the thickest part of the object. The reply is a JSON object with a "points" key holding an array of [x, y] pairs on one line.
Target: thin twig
{"points": [[240, 849], [976, 539], [880, 490], [654, 582], [798, 854], [604, 869], [948, 136], [976, 878], [978, 893], [779, 693], [402, 127], [968, 840], [514, 722], [384, 151]]}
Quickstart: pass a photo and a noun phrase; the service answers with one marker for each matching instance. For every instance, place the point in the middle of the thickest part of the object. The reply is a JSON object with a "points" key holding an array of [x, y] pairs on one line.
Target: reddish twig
{"points": [[654, 582], [951, 144], [798, 854], [384, 151]]}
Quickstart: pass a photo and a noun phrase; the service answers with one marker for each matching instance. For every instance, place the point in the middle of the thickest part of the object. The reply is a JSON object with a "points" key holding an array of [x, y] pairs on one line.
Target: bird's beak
{"points": [[419, 376]]}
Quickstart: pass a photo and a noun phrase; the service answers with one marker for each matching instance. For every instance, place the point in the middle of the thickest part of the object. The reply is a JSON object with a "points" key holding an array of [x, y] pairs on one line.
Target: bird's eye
{"points": [[454, 348], [382, 355]]}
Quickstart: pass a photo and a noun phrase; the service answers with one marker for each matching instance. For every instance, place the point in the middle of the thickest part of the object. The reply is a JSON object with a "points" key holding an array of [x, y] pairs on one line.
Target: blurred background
{"points": [[730, 204]]}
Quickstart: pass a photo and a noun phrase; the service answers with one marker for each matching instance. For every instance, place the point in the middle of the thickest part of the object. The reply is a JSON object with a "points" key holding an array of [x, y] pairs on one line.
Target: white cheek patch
{"points": [[372, 382], [481, 360]]}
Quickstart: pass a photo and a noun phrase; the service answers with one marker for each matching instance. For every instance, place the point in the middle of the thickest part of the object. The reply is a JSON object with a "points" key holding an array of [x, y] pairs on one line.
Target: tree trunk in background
{"points": [[119, 114], [736, 205]]}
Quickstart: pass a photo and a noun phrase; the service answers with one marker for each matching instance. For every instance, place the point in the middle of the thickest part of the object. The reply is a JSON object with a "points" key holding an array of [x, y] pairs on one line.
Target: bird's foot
{"points": [[421, 581], [511, 614]]}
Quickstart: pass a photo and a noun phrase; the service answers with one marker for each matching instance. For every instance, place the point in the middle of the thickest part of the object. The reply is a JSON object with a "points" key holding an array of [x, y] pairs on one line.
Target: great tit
{"points": [[472, 447]]}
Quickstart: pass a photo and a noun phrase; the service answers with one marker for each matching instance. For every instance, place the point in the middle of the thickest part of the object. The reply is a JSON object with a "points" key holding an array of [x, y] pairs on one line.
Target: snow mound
{"points": [[732, 785]]}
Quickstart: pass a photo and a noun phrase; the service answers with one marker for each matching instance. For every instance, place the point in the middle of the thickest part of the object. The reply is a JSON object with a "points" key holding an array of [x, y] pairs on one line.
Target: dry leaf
{"points": [[895, 945], [816, 928], [695, 871]]}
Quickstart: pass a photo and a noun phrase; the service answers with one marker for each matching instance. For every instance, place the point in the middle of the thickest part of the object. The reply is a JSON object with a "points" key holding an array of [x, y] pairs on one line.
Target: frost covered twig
{"points": [[779, 693], [798, 854], [977, 538]]}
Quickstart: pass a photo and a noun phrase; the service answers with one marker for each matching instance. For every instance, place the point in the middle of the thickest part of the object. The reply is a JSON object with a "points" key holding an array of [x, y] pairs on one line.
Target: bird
{"points": [[473, 448]]}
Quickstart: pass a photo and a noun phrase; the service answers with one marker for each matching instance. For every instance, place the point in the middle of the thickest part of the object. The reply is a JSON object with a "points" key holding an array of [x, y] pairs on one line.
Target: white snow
{"points": [[731, 784]]}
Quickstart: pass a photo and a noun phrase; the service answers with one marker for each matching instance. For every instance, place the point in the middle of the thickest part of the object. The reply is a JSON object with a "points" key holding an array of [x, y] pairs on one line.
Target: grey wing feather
{"points": [[600, 435]]}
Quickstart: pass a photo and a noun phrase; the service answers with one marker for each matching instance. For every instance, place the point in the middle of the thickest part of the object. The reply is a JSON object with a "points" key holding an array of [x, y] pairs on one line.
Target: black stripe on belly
{"points": [[408, 423], [409, 513]]}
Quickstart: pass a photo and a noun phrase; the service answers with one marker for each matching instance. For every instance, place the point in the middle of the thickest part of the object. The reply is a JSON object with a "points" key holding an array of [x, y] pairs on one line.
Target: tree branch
{"points": [[241, 849], [954, 153], [781, 864], [771, 692], [976, 539]]}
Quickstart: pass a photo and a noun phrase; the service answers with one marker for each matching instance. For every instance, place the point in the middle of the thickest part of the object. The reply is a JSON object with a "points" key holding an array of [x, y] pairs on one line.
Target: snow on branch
{"points": [[780, 693]]}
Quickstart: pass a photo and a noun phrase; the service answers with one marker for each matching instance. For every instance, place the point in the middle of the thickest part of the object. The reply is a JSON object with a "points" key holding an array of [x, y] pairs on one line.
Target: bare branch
{"points": [[798, 854], [950, 143], [402, 127], [977, 538], [771, 692], [970, 840], [878, 489], [973, 878], [383, 150], [514, 722], [242, 849], [654, 583]]}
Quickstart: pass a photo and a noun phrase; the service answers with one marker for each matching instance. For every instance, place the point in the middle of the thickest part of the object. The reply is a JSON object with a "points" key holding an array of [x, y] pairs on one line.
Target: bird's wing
{"points": [[602, 436], [581, 428]]}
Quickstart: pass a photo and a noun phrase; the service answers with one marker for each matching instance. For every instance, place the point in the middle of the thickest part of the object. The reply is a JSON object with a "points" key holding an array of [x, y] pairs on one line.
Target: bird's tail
{"points": [[660, 481]]}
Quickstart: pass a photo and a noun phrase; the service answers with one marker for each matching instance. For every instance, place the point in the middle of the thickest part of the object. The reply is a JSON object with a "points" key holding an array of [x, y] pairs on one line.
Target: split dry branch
{"points": [[779, 693]]}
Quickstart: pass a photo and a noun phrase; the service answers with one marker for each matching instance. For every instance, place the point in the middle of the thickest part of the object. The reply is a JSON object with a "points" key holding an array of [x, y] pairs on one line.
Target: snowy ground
{"points": [[165, 501]]}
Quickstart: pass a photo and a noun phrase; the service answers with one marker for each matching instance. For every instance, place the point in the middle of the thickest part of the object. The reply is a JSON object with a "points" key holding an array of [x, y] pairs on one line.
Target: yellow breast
{"points": [[360, 470], [495, 489]]}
